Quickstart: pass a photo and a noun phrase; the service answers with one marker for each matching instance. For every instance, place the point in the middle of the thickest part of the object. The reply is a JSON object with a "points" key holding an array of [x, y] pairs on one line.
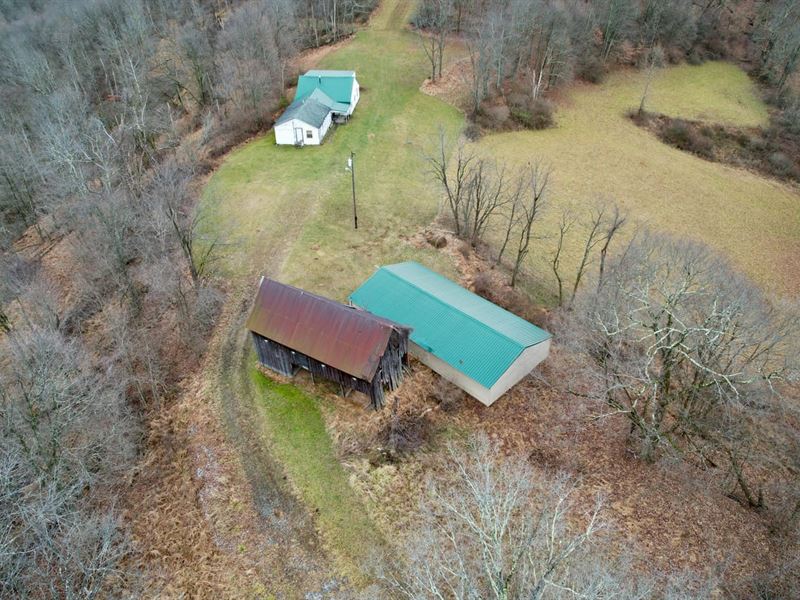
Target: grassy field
{"points": [[263, 190], [718, 92], [287, 212], [596, 152]]}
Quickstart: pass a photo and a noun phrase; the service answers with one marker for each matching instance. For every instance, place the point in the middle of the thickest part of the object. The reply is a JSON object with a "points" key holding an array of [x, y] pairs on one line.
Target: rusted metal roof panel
{"points": [[340, 336]]}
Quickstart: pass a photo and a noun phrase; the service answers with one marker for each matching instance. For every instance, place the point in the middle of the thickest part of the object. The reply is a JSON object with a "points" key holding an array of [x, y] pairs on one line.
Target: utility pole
{"points": [[351, 166]]}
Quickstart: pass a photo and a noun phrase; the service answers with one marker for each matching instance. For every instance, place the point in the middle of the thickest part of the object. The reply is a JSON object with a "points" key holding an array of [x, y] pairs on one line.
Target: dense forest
{"points": [[112, 113], [111, 110]]}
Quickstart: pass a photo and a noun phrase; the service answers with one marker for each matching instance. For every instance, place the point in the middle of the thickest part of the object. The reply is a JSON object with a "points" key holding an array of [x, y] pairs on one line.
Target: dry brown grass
{"points": [[200, 528], [172, 546], [658, 511], [452, 87], [669, 517]]}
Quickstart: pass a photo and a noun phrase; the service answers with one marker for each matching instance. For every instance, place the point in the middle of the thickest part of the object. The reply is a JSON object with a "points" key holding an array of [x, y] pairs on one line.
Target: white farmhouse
{"points": [[322, 97]]}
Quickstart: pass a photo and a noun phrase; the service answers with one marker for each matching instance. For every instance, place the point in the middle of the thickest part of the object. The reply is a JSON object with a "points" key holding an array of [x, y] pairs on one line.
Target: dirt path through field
{"points": [[274, 541]]}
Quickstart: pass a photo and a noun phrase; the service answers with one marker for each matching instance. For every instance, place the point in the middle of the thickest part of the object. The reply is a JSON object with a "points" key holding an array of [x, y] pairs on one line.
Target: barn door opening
{"points": [[298, 136]]}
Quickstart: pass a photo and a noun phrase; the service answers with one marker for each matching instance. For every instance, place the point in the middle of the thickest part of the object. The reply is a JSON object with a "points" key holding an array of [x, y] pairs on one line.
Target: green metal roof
{"points": [[309, 110], [338, 85], [323, 98], [469, 333]]}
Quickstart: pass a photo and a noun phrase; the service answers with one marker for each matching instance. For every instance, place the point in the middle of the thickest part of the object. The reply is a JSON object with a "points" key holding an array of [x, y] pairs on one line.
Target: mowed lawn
{"points": [[596, 152], [297, 203], [302, 446]]}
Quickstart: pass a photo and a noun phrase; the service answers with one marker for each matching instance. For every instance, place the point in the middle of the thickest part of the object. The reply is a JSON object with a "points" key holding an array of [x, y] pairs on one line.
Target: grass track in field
{"points": [[302, 445], [262, 190], [288, 213]]}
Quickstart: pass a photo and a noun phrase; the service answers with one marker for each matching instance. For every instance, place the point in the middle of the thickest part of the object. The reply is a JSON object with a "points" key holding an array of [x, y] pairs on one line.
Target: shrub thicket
{"points": [[686, 136], [536, 114]]}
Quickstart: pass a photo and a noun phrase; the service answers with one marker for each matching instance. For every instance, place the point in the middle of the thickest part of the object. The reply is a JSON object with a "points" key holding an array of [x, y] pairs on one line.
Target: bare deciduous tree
{"points": [[653, 60], [171, 194], [685, 348], [14, 278], [565, 224], [777, 34], [476, 189], [486, 196], [602, 227], [511, 215], [540, 43], [488, 46], [530, 207], [593, 238], [65, 428], [455, 181], [249, 61], [613, 226], [495, 530], [614, 19], [432, 20], [23, 199]]}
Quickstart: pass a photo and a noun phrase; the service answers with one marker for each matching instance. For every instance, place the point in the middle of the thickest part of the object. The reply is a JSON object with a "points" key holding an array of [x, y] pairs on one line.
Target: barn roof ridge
{"points": [[307, 109], [362, 313], [473, 318], [462, 290], [333, 333], [329, 73], [338, 85], [473, 335]]}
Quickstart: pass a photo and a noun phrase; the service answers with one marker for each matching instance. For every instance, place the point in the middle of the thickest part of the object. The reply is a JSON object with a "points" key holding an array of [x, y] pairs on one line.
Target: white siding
{"points": [[326, 124], [355, 95], [285, 134], [523, 365], [454, 376]]}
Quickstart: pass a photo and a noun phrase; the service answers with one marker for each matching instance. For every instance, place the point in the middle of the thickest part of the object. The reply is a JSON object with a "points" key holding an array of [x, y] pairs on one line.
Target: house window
{"points": [[309, 134]]}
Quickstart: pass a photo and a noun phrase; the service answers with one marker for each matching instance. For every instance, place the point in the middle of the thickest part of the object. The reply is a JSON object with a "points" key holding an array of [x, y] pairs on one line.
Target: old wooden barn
{"points": [[293, 329]]}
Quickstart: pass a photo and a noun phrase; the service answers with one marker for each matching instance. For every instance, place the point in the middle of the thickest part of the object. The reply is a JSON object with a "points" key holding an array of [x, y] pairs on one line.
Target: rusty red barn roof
{"points": [[337, 335]]}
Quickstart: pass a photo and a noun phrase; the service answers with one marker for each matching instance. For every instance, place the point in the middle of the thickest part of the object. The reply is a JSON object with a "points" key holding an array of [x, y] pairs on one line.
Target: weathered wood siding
{"points": [[389, 374]]}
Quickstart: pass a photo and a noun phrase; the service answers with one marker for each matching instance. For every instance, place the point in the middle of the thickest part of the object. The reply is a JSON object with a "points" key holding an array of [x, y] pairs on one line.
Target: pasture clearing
{"points": [[287, 213], [595, 151]]}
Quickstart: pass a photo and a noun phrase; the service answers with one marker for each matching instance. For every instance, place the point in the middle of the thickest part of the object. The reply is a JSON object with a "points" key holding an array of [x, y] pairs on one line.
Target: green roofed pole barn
{"points": [[471, 342], [322, 97]]}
